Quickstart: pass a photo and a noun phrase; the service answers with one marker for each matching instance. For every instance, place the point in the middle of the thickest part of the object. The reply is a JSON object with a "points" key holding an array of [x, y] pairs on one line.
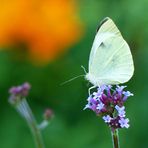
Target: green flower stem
{"points": [[25, 111], [115, 138]]}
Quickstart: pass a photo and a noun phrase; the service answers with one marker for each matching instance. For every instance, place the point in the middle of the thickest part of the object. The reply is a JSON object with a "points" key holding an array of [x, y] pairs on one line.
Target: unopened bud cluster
{"points": [[18, 92]]}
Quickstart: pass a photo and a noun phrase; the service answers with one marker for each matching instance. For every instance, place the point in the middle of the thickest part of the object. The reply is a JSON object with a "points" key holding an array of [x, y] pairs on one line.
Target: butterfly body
{"points": [[110, 60]]}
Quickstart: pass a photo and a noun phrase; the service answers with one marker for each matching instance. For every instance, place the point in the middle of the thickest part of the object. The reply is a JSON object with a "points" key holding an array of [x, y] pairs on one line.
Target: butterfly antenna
{"points": [[71, 80], [84, 69]]}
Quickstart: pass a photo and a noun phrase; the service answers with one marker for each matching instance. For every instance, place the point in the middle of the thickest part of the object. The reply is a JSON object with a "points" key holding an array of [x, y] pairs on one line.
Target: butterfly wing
{"points": [[110, 59]]}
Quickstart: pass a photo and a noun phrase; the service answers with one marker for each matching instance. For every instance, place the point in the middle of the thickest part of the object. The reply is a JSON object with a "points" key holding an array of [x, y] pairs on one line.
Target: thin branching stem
{"points": [[25, 111]]}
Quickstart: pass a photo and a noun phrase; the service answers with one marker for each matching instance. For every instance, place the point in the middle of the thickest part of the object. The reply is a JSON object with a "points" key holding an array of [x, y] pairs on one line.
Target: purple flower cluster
{"points": [[109, 104], [18, 92]]}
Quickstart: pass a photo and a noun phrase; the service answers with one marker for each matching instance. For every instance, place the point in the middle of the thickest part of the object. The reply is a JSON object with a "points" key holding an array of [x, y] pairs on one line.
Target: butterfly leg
{"points": [[90, 89]]}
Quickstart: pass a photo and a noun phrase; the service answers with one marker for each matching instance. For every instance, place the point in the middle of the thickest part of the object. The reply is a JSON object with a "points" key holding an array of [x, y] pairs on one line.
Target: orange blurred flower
{"points": [[47, 27]]}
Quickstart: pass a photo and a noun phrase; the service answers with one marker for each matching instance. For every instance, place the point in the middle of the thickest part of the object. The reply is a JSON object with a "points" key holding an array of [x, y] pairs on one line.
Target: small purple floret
{"points": [[119, 89], [100, 106], [107, 119], [127, 93], [124, 123], [119, 109]]}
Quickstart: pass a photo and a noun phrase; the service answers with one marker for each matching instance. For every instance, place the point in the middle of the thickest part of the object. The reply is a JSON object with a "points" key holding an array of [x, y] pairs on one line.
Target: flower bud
{"points": [[48, 114]]}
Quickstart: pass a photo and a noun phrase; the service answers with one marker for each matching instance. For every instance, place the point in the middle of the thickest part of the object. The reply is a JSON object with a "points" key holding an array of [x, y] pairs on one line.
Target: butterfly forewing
{"points": [[110, 58]]}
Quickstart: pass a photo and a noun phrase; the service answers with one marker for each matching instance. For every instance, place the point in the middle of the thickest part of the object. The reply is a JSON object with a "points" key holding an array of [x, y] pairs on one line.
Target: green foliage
{"points": [[72, 127]]}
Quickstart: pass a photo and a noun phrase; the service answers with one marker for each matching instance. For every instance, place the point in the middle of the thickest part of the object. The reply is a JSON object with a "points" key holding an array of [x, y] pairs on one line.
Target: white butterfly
{"points": [[110, 60]]}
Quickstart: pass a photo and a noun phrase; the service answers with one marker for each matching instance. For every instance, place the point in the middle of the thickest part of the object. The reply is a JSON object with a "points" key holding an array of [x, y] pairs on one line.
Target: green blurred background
{"points": [[72, 127]]}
